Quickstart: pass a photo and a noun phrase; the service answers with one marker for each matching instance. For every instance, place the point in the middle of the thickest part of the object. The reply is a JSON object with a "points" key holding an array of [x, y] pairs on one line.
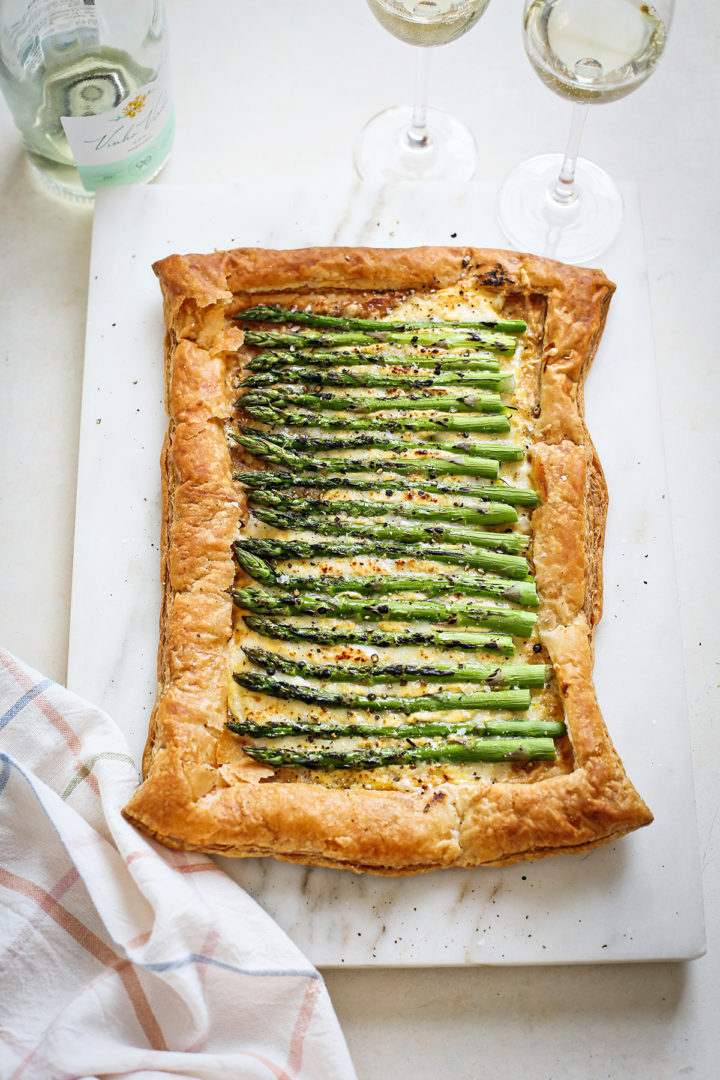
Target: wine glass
{"points": [[590, 51], [417, 142]]}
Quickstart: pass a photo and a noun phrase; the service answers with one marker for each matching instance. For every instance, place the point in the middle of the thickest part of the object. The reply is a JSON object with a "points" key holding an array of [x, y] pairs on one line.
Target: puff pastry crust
{"points": [[200, 791]]}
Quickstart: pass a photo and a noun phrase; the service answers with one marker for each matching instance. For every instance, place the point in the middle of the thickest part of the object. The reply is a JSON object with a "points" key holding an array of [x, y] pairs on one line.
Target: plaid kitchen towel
{"points": [[119, 958]]}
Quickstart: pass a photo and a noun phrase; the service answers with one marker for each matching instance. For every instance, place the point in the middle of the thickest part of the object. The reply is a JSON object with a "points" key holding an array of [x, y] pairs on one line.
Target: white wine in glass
{"points": [[588, 51], [417, 142]]}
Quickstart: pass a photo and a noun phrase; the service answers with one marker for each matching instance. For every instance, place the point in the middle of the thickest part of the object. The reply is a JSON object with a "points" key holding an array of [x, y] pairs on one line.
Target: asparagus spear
{"points": [[382, 440], [262, 448], [493, 423], [486, 513], [493, 750], [553, 729], [274, 313], [337, 635], [474, 584], [429, 358], [371, 378], [439, 702], [512, 543], [523, 675], [347, 474], [511, 566], [257, 568], [440, 337], [473, 401], [457, 612], [494, 492]]}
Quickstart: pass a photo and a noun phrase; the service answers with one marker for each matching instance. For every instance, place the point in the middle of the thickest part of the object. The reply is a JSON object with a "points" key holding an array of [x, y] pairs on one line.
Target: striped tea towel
{"points": [[119, 958]]}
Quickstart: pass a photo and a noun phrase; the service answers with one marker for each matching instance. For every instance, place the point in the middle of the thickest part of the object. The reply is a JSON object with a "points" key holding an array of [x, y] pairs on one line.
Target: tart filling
{"points": [[435, 712]]}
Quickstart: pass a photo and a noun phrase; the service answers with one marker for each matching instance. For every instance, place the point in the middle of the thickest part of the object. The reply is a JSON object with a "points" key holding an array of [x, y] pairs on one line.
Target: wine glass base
{"points": [[576, 233], [384, 153]]}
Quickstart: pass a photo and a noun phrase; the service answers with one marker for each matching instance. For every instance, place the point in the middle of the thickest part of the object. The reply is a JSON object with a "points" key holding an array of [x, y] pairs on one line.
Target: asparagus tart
{"points": [[382, 541]]}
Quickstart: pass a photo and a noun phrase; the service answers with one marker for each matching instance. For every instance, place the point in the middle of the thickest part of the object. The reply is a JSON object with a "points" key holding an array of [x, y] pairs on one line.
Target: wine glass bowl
{"points": [[427, 22], [417, 142], [588, 52]]}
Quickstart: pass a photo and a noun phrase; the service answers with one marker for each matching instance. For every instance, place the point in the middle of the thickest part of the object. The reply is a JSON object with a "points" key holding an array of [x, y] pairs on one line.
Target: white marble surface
{"points": [[280, 92], [611, 905]]}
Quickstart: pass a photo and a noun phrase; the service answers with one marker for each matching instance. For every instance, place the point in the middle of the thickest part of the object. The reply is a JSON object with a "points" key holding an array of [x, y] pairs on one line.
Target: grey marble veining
{"points": [[637, 899]]}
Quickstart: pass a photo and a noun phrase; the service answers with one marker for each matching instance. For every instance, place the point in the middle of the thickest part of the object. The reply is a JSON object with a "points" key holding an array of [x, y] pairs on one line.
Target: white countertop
{"points": [[280, 93]]}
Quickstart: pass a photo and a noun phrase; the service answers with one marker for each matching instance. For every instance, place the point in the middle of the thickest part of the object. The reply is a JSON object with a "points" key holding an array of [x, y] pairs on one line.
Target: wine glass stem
{"points": [[564, 191], [417, 135]]}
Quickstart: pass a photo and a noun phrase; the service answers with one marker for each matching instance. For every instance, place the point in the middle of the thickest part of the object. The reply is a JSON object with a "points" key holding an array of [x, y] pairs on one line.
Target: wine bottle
{"points": [[88, 86]]}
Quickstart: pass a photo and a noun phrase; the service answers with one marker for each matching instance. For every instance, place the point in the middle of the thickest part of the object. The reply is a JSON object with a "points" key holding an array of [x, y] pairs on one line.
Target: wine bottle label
{"points": [[123, 144], [52, 26]]}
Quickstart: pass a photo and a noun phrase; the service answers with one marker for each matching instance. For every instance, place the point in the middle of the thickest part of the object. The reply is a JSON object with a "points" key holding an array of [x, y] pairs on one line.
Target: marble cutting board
{"points": [[639, 899]]}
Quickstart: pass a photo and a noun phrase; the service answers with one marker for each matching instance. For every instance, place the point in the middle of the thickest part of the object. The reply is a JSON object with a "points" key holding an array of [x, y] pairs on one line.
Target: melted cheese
{"points": [[451, 304]]}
